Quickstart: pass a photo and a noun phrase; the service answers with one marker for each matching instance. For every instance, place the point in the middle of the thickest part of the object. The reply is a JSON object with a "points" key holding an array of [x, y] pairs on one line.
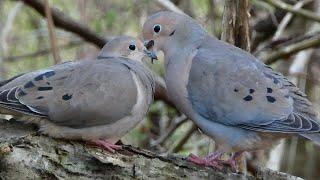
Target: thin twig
{"points": [[169, 6], [300, 12], [179, 144], [65, 22], [287, 18], [41, 52], [52, 34], [175, 125], [289, 50]]}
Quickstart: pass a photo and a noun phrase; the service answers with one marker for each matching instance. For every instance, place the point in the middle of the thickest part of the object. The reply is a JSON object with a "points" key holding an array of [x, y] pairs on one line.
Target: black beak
{"points": [[149, 45]]}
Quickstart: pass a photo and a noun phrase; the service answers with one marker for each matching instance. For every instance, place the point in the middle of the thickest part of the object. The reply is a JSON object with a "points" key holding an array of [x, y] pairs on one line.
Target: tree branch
{"points": [[170, 6], [52, 34], [300, 12], [288, 50], [41, 52], [235, 23], [63, 21], [26, 155]]}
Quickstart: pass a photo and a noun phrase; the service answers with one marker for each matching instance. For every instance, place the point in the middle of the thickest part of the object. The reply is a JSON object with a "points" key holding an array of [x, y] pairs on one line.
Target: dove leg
{"points": [[107, 145], [213, 160], [232, 162]]}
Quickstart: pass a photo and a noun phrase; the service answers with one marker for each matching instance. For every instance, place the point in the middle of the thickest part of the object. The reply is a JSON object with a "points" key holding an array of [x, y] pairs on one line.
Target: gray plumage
{"points": [[233, 97], [89, 99]]}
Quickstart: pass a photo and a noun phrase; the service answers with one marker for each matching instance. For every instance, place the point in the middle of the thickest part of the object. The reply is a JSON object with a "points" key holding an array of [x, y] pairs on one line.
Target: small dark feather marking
{"points": [[46, 74], [235, 90], [248, 98], [269, 90], [40, 97], [66, 97], [49, 74], [29, 84], [48, 83], [21, 93], [287, 96], [276, 81], [44, 88], [271, 99], [251, 91]]}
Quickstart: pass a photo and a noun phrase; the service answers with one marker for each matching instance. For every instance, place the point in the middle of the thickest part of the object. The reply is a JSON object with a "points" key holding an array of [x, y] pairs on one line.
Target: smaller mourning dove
{"points": [[96, 100], [233, 97]]}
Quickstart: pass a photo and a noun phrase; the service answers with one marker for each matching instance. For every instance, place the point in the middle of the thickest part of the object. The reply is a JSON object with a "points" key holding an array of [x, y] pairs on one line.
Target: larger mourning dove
{"points": [[96, 100], [233, 97]]}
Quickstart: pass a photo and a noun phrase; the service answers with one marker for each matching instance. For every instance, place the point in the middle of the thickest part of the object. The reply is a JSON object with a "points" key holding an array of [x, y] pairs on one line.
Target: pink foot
{"points": [[105, 144], [213, 160], [232, 162]]}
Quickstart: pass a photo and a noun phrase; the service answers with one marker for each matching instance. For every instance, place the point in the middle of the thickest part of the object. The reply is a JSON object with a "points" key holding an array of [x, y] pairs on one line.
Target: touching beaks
{"points": [[149, 52], [149, 44]]}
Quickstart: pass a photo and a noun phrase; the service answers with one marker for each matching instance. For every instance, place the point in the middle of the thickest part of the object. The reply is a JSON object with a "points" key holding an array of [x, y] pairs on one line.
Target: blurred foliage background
{"points": [[25, 46]]}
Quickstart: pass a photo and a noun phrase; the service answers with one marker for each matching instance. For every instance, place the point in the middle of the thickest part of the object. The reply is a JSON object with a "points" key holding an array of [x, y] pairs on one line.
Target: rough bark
{"points": [[235, 23], [24, 154]]}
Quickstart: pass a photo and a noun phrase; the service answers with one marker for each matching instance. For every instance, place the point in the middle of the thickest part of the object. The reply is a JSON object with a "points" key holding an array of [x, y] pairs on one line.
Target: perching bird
{"points": [[233, 97], [96, 100]]}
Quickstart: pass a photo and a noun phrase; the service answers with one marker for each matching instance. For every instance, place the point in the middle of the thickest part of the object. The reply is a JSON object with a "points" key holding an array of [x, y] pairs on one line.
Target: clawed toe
{"points": [[107, 145]]}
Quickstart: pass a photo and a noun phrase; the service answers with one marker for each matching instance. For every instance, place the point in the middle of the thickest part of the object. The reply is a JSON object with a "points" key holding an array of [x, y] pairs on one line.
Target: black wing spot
{"points": [[44, 88], [251, 91], [248, 98], [46, 74], [40, 97], [235, 90], [271, 99], [29, 84], [276, 81], [269, 90], [66, 97]]}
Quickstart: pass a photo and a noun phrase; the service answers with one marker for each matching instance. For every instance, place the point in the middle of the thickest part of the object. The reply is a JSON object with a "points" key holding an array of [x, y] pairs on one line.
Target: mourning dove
{"points": [[229, 94], [96, 100]]}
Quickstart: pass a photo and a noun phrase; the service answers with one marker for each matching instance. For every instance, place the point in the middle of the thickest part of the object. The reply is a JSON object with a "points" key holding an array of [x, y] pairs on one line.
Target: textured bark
{"points": [[24, 154], [235, 23]]}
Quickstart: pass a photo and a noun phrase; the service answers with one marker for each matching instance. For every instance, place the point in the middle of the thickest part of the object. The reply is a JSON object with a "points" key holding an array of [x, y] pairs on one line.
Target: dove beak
{"points": [[149, 52]]}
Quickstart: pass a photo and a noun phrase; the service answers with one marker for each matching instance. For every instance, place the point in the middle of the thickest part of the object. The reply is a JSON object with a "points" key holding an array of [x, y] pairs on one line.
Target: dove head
{"points": [[165, 30], [125, 46]]}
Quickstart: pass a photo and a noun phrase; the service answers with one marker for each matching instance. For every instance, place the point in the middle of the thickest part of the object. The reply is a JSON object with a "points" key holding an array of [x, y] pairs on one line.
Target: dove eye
{"points": [[157, 28], [132, 47]]}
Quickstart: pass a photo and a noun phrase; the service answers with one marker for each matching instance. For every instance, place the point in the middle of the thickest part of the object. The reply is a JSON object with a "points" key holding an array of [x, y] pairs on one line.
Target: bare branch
{"points": [[52, 34], [235, 23], [175, 125], [300, 12], [289, 50], [63, 21], [287, 18], [41, 52], [184, 138], [169, 6]]}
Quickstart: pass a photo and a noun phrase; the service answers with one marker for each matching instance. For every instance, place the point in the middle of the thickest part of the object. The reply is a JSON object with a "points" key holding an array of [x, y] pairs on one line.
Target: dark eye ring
{"points": [[132, 47], [157, 28]]}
